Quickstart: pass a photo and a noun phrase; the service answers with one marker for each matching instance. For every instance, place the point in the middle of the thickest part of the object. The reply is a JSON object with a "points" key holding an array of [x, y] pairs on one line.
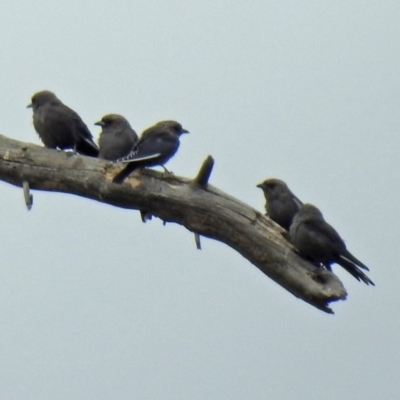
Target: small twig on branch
{"points": [[27, 195], [202, 179], [205, 172], [197, 240]]}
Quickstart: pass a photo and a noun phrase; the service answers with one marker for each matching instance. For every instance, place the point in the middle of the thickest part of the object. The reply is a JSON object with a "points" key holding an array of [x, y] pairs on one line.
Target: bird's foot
{"points": [[167, 172]]}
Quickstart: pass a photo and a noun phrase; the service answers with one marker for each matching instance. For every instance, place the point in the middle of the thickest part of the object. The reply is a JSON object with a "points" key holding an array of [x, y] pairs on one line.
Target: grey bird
{"points": [[155, 147], [117, 137], [319, 242], [59, 126], [281, 204]]}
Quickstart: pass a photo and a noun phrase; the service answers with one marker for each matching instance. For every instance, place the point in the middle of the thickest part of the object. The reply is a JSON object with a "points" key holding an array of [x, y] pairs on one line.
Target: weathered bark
{"points": [[198, 206]]}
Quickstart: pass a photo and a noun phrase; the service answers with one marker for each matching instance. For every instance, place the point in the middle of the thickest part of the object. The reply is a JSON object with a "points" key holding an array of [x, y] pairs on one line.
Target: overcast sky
{"points": [[96, 305]]}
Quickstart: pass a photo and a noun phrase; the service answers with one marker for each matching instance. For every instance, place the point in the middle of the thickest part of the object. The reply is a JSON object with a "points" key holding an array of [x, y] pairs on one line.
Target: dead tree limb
{"points": [[195, 204]]}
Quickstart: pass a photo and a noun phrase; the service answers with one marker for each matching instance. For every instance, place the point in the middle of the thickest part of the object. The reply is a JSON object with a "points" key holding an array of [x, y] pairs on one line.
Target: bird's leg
{"points": [[167, 172], [327, 266]]}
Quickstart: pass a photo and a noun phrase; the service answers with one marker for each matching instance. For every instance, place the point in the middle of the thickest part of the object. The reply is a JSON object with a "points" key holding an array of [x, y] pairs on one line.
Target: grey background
{"points": [[96, 305]]}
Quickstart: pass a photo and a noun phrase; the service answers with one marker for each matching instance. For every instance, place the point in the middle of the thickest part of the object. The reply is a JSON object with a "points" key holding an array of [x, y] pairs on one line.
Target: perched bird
{"points": [[155, 147], [318, 241], [117, 137], [59, 126], [281, 204]]}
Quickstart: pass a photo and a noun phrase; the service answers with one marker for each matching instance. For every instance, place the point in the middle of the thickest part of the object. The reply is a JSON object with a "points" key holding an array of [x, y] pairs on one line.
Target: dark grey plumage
{"points": [[281, 204], [59, 126], [155, 147], [318, 241], [117, 137]]}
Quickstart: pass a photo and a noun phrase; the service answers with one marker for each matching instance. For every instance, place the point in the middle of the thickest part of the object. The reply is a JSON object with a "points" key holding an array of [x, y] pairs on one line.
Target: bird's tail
{"points": [[352, 269], [124, 173], [87, 147], [349, 257]]}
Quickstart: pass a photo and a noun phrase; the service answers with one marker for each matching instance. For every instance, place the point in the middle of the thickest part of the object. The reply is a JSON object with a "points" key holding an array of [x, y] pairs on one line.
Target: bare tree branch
{"points": [[198, 206]]}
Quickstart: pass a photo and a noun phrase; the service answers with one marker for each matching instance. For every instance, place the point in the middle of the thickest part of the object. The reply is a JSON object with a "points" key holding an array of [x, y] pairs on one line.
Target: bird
{"points": [[319, 242], [281, 204], [156, 146], [117, 137], [60, 127]]}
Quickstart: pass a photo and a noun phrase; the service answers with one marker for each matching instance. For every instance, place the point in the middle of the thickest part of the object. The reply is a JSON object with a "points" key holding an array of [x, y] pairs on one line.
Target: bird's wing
{"points": [[132, 157], [322, 228], [323, 232], [83, 137], [65, 112], [298, 202], [152, 147]]}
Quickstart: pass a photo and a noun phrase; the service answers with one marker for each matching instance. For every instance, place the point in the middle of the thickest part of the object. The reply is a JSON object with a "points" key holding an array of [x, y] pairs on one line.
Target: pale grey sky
{"points": [[96, 305]]}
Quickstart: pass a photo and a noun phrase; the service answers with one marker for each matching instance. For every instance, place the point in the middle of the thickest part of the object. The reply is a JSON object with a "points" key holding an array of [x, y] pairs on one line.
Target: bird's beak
{"points": [[260, 185], [29, 105], [100, 123], [184, 131]]}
